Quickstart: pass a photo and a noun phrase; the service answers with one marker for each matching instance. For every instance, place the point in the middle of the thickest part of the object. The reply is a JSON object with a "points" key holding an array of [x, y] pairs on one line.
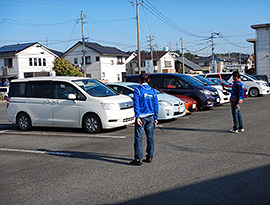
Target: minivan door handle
{"points": [[48, 101]]}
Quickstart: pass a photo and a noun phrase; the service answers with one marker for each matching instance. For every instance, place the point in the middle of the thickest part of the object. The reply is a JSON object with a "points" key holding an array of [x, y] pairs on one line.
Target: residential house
{"points": [[190, 67], [101, 62], [262, 44], [205, 63], [26, 60], [163, 62]]}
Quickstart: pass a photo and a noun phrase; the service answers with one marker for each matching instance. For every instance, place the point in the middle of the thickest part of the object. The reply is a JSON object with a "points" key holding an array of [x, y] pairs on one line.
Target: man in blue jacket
{"points": [[237, 96], [146, 113]]}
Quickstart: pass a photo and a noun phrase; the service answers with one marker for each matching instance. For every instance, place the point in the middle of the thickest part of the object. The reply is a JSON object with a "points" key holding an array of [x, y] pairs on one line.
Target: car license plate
{"points": [[193, 106]]}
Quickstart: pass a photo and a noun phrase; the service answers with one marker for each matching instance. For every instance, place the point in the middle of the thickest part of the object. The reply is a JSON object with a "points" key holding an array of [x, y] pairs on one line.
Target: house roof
{"points": [[147, 56], [190, 64], [13, 49], [202, 59], [103, 50], [260, 25]]}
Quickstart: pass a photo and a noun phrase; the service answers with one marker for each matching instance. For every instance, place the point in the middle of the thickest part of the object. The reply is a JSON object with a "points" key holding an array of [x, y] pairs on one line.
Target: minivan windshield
{"points": [[192, 81], [95, 88], [135, 86], [204, 80]]}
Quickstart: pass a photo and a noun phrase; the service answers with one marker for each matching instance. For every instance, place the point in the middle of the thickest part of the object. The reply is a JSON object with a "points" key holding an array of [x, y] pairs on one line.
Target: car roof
{"points": [[62, 78]]}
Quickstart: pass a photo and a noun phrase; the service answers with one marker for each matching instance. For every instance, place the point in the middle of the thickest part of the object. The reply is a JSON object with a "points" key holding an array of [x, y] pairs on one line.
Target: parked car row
{"points": [[254, 86], [78, 102]]}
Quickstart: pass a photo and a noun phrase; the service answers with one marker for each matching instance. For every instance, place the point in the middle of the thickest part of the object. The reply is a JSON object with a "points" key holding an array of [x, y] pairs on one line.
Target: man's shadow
{"points": [[88, 155]]}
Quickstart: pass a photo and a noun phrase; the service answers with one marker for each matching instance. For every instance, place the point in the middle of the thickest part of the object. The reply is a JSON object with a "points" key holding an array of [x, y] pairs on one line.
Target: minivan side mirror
{"points": [[71, 96]]}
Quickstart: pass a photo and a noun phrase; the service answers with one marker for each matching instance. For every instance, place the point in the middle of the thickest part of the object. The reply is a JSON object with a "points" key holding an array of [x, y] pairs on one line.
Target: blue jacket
{"points": [[145, 101], [237, 93]]}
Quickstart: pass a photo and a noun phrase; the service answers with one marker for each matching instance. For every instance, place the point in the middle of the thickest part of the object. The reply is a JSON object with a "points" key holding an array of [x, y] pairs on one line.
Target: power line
{"points": [[152, 9]]}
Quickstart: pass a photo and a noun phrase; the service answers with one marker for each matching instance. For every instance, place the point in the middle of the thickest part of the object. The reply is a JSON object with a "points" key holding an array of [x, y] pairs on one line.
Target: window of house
{"points": [[119, 60], [88, 59], [39, 62], [35, 62], [30, 62], [75, 61], [8, 62], [155, 63], [44, 61], [143, 64], [97, 58], [168, 64]]}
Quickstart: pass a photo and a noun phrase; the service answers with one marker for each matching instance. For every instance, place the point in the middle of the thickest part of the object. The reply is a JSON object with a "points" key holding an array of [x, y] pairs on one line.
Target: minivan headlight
{"points": [[206, 92], [164, 103], [110, 106]]}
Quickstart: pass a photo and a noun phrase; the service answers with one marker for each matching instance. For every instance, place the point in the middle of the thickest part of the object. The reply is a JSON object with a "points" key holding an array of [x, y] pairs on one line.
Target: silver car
{"points": [[169, 106]]}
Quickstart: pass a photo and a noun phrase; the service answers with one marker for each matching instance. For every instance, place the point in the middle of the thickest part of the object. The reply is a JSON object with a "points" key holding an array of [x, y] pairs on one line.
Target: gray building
{"points": [[262, 46]]}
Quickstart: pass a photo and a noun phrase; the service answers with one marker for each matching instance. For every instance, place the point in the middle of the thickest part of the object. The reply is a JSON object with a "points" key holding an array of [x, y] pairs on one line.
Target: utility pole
{"points": [[182, 50], [138, 37], [213, 55], [83, 45], [151, 52]]}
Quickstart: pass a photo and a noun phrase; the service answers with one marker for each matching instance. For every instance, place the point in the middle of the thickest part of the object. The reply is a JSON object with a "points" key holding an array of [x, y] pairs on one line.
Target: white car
{"points": [[169, 106], [254, 86], [223, 94], [67, 102]]}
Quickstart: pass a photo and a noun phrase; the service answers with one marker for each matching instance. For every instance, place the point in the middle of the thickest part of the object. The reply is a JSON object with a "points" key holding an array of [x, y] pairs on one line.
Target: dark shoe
{"points": [[148, 159], [136, 162]]}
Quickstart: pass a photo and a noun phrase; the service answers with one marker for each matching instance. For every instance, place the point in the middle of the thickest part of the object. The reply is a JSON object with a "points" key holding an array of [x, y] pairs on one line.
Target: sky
{"points": [[56, 24]]}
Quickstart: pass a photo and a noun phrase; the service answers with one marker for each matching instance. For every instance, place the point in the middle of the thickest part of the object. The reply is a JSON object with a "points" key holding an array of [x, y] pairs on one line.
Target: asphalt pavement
{"points": [[197, 161]]}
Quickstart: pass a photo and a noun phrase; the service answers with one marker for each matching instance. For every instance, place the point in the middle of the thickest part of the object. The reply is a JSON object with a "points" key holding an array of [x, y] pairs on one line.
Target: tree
{"points": [[64, 67]]}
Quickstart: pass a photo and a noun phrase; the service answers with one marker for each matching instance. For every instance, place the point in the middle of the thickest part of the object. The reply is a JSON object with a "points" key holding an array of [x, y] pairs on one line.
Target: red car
{"points": [[190, 104]]}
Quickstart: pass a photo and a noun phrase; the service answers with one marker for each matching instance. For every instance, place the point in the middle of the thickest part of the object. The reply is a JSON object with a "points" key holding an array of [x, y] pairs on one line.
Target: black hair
{"points": [[236, 74], [143, 77]]}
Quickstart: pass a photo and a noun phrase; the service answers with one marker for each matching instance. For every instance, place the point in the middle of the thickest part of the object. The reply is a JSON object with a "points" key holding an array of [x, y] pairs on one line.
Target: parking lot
{"points": [[197, 161]]}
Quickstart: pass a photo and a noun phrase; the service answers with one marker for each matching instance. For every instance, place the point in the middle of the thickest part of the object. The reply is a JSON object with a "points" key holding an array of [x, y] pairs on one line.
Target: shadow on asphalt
{"points": [[88, 155], [57, 129], [195, 129], [244, 188]]}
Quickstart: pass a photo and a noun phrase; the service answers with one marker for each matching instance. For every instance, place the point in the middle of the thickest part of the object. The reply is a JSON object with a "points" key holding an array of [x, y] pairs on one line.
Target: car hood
{"points": [[169, 98]]}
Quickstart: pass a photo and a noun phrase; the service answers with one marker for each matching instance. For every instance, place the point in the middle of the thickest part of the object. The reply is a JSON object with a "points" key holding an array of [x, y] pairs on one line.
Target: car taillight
{"points": [[8, 99]]}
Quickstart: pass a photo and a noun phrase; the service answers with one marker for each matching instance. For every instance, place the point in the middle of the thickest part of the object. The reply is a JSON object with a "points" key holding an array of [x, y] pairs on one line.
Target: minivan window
{"points": [[62, 90], [95, 88], [41, 90], [156, 81], [192, 81], [18, 90]]}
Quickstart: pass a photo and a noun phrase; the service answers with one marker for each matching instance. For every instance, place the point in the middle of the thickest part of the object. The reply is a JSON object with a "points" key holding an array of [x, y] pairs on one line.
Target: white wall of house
{"points": [[166, 62], [21, 60], [263, 51], [103, 67]]}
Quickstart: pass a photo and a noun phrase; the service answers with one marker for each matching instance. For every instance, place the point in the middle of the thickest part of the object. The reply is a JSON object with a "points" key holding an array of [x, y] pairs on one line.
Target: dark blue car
{"points": [[181, 84]]}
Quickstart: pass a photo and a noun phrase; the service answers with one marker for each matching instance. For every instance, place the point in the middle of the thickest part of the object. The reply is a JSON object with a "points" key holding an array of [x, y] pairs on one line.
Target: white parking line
{"points": [[62, 134], [23, 150], [36, 151]]}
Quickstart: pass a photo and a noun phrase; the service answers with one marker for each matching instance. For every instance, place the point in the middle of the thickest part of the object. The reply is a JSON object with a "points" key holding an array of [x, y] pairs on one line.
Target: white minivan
{"points": [[254, 86], [62, 101]]}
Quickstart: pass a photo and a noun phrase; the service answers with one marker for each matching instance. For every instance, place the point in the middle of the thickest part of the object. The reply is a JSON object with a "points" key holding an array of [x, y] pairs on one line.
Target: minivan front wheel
{"points": [[92, 123], [24, 122], [254, 92]]}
